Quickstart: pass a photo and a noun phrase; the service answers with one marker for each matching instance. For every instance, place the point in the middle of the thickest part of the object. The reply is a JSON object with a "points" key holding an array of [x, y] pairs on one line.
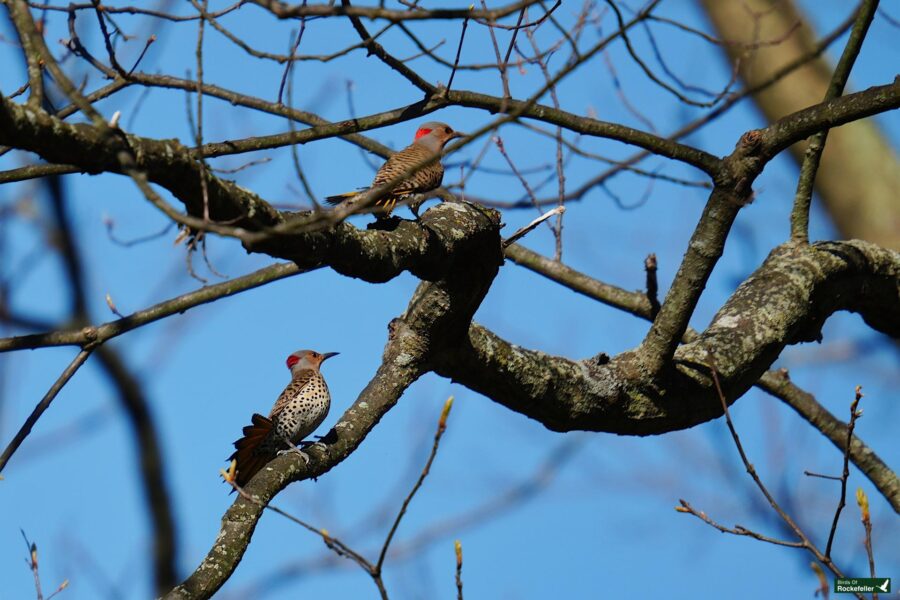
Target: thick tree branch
{"points": [[733, 190], [775, 383], [785, 302]]}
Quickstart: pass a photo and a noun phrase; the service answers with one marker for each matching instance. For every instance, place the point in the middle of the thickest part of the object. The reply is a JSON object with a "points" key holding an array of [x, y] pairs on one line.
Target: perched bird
{"points": [[430, 140], [299, 410]]}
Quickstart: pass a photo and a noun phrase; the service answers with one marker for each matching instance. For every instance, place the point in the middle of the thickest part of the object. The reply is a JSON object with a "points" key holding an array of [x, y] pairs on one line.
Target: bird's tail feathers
{"points": [[249, 453], [337, 199]]}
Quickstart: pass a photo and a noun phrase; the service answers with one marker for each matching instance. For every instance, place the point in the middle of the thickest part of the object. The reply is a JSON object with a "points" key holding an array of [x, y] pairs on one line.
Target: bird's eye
{"points": [[446, 130]]}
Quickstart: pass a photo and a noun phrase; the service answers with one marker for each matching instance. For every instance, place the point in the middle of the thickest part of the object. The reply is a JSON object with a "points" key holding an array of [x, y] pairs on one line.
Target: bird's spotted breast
{"points": [[302, 407]]}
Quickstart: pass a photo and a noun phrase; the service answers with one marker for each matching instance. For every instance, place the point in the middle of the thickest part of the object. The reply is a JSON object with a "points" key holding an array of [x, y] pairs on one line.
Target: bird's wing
{"points": [[293, 388], [425, 179]]}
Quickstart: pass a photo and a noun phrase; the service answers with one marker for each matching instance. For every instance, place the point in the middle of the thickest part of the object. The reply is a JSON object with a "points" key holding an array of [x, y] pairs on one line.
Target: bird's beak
{"points": [[328, 355], [457, 134]]}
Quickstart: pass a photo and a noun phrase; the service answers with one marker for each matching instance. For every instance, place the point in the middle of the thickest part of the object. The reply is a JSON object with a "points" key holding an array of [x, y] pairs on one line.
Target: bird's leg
{"points": [[293, 448]]}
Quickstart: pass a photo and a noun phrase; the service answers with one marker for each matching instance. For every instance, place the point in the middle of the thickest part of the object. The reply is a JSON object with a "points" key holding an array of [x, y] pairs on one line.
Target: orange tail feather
{"points": [[248, 450]]}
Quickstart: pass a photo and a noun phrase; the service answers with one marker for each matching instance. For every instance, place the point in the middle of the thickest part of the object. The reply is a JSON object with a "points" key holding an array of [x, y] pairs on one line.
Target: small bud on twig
{"points": [[442, 423], [112, 306], [863, 502]]}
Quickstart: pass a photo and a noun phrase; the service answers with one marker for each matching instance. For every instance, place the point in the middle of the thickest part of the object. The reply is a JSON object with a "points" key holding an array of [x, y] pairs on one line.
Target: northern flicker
{"points": [[299, 410], [430, 140]]}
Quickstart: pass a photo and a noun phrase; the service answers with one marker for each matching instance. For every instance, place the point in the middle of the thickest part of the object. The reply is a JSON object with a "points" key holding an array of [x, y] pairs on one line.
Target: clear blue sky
{"points": [[603, 527]]}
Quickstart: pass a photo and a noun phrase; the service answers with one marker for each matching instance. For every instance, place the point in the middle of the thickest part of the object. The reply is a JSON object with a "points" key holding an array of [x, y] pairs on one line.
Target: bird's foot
{"points": [[317, 444], [295, 449]]}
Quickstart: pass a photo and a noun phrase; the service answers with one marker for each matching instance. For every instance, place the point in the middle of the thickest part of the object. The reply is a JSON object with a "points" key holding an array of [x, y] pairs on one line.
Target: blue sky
{"points": [[605, 524]]}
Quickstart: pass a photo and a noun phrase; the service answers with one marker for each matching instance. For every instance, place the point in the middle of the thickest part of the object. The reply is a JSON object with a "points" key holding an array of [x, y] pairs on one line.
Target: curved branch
{"points": [[776, 383], [785, 301]]}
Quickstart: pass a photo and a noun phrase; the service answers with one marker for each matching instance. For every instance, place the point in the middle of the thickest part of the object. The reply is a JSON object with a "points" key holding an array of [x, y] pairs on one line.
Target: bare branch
{"points": [[810, 165], [43, 405]]}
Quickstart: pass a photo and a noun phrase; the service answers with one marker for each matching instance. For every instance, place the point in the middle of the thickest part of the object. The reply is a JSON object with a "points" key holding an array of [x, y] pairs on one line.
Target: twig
{"points": [[499, 142], [863, 501], [652, 285], [685, 507], [524, 230], [442, 426], [177, 305], [560, 172], [247, 165], [292, 51], [340, 548], [501, 66], [43, 405], [637, 59], [198, 134], [457, 546], [98, 10], [821, 476], [810, 165], [462, 36], [295, 152], [805, 542], [846, 472], [32, 562], [140, 57]]}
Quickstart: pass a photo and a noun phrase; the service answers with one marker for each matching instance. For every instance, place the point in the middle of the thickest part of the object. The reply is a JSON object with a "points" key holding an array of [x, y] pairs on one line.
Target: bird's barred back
{"points": [[424, 180]]}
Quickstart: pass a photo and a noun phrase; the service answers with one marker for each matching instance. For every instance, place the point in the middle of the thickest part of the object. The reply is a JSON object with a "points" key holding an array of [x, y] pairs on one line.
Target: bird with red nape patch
{"points": [[429, 142], [299, 410]]}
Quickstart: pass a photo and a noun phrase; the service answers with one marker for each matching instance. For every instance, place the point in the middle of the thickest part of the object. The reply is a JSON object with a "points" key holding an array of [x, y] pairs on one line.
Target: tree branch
{"points": [[806, 284], [810, 165]]}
